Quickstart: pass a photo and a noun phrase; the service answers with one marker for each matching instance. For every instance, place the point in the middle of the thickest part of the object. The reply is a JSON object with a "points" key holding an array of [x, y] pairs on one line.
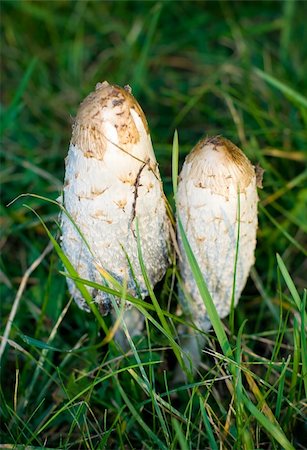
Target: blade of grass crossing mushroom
{"points": [[59, 205], [207, 299], [142, 307], [140, 304], [232, 305], [137, 286], [115, 292], [115, 327], [70, 269], [154, 299]]}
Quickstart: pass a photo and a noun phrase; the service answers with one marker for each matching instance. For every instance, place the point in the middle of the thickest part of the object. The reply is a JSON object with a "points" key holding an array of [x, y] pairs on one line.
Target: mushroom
{"points": [[217, 193], [111, 181], [216, 201]]}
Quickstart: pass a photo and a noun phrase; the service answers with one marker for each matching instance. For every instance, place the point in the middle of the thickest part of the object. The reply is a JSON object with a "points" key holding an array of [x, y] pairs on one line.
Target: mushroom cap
{"points": [[219, 165], [110, 113]]}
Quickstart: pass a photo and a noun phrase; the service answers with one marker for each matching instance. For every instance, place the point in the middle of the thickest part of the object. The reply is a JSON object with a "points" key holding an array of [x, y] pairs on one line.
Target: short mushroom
{"points": [[217, 193], [216, 199]]}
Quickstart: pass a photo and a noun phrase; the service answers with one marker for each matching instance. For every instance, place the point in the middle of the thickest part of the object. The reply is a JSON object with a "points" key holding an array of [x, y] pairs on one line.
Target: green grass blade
{"points": [[156, 400], [40, 344], [144, 383], [232, 305], [135, 301], [296, 360], [280, 393], [285, 35], [290, 285], [283, 231], [271, 428], [304, 342], [12, 111], [103, 443], [294, 96], [139, 419], [175, 159], [88, 388], [70, 269], [207, 299], [139, 74], [180, 436], [210, 435], [154, 299], [244, 437]]}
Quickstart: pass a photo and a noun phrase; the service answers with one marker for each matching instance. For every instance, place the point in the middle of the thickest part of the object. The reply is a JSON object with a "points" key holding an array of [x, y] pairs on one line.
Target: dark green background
{"points": [[193, 67]]}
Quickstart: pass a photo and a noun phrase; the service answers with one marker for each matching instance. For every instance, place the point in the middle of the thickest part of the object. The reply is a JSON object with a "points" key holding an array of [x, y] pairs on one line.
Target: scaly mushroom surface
{"points": [[112, 180], [217, 193]]}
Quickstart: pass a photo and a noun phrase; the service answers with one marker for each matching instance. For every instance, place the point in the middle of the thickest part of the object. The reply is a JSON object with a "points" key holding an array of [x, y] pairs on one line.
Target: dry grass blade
{"points": [[21, 288]]}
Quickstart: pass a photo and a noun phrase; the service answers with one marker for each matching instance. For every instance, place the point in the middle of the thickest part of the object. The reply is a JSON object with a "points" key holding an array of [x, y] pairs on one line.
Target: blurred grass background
{"points": [[220, 67]]}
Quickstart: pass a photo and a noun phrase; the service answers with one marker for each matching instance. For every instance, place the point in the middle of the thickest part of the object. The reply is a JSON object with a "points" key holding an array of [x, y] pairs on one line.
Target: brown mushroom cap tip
{"points": [[106, 105], [216, 160]]}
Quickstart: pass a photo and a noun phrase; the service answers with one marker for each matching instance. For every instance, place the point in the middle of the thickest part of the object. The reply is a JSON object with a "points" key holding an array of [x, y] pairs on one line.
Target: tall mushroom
{"points": [[112, 180]]}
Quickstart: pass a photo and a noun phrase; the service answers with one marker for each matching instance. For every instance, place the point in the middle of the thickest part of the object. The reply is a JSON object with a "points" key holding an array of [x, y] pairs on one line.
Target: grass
{"points": [[231, 68]]}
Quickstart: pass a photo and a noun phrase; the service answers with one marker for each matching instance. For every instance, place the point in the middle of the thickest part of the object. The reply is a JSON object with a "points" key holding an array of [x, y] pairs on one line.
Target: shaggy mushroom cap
{"points": [[112, 180], [216, 194], [110, 113], [219, 165]]}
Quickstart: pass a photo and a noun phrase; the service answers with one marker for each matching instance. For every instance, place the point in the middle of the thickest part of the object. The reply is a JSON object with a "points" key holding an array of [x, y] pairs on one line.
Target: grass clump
{"points": [[233, 68]]}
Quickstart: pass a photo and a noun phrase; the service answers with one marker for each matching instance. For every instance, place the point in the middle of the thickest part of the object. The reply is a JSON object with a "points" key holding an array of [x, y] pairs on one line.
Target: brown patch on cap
{"points": [[89, 126], [121, 203], [217, 163], [259, 175]]}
